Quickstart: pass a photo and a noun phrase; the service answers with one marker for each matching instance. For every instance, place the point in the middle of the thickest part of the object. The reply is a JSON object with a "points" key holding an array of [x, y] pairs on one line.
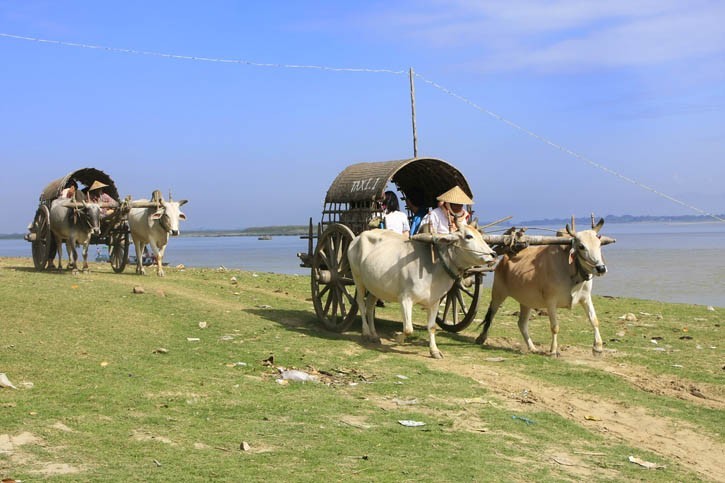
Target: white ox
{"points": [[153, 226], [550, 277], [74, 222], [393, 268]]}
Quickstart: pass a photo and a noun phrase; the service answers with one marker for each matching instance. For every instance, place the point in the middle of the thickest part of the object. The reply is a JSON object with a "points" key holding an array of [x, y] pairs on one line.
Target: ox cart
{"points": [[353, 202], [114, 230]]}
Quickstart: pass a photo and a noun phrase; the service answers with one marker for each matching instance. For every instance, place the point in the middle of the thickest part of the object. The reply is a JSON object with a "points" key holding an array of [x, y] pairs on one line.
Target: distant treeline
{"points": [[622, 219]]}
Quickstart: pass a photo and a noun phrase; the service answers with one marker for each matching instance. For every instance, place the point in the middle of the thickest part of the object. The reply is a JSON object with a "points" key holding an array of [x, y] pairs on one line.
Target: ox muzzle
{"points": [[601, 269]]}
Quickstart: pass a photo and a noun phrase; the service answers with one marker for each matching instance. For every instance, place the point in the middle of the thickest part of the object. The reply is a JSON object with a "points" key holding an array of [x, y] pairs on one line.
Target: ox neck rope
{"points": [[448, 270], [580, 270]]}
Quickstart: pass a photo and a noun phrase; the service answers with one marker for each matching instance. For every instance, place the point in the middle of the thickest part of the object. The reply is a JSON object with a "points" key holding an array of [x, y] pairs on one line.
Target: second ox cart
{"points": [[114, 229]]}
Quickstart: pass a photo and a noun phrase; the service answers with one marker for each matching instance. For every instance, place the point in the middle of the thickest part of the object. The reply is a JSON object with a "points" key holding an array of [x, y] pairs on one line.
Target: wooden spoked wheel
{"points": [[333, 290], [460, 304], [42, 244], [118, 249]]}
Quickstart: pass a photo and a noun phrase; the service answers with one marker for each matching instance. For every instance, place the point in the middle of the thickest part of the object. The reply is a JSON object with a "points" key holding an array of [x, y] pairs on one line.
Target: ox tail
{"points": [[486, 323]]}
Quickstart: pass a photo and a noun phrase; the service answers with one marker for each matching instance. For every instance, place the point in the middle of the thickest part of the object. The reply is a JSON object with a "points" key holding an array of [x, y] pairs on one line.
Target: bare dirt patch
{"points": [[141, 435], [52, 469], [708, 395], [14, 448]]}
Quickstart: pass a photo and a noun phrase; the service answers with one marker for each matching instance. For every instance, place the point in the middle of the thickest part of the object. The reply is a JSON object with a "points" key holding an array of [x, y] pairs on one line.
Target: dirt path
{"points": [[612, 417]]}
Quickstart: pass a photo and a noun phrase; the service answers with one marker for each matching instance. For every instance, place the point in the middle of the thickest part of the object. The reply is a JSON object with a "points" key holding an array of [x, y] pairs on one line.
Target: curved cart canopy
{"points": [[351, 199], [84, 176]]}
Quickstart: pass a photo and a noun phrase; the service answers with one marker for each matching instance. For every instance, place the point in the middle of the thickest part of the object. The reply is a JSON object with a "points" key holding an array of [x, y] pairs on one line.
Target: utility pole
{"points": [[412, 108]]}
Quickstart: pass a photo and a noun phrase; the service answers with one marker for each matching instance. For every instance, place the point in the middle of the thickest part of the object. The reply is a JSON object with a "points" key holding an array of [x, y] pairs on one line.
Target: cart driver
{"points": [[450, 208], [97, 194]]}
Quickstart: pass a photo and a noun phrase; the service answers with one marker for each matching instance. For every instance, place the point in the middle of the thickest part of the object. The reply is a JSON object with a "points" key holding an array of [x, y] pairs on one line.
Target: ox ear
{"points": [[157, 215], [183, 202], [182, 216], [598, 225]]}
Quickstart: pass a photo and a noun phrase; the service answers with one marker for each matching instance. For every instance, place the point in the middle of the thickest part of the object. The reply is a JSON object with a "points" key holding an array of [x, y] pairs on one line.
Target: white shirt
{"points": [[438, 220], [397, 221]]}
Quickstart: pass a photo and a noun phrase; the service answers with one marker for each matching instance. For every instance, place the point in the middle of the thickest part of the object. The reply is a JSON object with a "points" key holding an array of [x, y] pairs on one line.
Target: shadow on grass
{"points": [[67, 271], [305, 322]]}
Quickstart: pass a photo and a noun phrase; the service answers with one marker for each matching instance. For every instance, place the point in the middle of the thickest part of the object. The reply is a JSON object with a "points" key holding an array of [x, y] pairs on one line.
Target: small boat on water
{"points": [[265, 237]]}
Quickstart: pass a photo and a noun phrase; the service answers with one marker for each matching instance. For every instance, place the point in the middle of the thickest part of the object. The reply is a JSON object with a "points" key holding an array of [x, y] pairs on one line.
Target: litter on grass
{"points": [[645, 464], [521, 418], [411, 424]]}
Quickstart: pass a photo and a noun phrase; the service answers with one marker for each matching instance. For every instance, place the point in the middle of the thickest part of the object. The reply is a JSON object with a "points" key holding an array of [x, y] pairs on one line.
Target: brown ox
{"points": [[550, 277]]}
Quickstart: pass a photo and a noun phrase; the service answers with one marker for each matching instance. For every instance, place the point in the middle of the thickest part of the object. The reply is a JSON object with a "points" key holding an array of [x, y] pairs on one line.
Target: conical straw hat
{"points": [[455, 195], [97, 185]]}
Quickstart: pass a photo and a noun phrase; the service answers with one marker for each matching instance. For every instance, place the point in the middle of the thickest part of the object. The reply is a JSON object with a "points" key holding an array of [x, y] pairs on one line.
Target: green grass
{"points": [[85, 351]]}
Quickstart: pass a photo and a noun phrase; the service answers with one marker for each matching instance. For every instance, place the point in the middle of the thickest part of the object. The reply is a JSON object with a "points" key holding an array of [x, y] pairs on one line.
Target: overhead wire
{"points": [[202, 59], [568, 151], [376, 71]]}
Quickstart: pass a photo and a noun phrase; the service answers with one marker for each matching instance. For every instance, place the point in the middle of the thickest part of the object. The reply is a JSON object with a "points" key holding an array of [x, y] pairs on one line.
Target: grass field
{"points": [[180, 383]]}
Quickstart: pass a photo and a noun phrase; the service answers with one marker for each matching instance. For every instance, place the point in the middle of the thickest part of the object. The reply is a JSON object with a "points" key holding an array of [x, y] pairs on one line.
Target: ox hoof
{"points": [[597, 351], [436, 354], [372, 339], [481, 339], [161, 273]]}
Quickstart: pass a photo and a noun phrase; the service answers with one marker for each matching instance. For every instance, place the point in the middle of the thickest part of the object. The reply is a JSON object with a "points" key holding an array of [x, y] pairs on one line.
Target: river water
{"points": [[658, 261]]}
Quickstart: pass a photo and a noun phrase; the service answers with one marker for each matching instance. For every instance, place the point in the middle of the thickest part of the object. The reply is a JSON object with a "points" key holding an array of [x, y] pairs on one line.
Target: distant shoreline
{"points": [[299, 230]]}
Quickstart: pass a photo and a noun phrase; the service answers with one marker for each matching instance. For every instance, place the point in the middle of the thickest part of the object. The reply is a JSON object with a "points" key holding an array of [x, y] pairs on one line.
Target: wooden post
{"points": [[412, 108]]}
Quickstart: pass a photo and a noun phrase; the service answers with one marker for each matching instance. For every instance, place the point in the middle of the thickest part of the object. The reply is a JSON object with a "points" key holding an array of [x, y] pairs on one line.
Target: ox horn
{"points": [[598, 225], [571, 231]]}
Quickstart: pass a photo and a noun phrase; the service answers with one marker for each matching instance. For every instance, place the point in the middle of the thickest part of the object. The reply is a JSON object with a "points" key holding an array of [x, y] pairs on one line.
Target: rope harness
{"points": [[579, 267], [446, 267]]}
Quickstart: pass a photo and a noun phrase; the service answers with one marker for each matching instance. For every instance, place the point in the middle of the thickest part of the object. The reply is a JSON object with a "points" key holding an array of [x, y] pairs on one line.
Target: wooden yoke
{"points": [[513, 240]]}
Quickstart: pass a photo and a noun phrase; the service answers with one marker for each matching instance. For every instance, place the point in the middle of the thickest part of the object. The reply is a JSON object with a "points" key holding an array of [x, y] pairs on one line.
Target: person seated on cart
{"points": [[97, 195], [415, 204], [394, 219], [443, 219], [70, 190]]}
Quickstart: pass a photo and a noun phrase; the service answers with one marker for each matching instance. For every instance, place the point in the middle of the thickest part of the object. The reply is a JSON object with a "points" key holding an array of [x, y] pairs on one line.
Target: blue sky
{"points": [[637, 87]]}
